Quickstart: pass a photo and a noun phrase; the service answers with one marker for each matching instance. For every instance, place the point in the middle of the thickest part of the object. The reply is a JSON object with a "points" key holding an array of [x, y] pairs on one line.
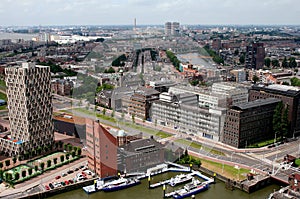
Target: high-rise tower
{"points": [[30, 108]]}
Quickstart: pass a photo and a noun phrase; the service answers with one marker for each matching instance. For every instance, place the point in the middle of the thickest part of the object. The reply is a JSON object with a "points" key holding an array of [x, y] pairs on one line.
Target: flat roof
{"points": [[70, 118], [256, 103]]}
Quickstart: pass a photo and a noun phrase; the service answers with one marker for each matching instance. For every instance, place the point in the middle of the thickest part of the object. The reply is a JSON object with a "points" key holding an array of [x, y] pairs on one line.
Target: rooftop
{"points": [[256, 103]]}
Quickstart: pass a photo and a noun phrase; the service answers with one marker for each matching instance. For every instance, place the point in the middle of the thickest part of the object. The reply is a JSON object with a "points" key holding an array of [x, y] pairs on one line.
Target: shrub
{"points": [[23, 173]]}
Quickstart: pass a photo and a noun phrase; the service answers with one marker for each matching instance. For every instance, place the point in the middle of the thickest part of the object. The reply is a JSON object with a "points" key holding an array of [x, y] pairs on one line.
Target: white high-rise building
{"points": [[30, 109]]}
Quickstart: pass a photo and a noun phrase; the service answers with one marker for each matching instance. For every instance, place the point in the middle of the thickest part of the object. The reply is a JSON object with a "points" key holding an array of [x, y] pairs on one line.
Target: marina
{"points": [[134, 179]]}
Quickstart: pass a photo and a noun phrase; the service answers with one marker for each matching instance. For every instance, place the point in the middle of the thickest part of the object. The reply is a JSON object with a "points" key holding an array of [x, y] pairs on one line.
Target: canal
{"points": [[141, 191], [196, 59]]}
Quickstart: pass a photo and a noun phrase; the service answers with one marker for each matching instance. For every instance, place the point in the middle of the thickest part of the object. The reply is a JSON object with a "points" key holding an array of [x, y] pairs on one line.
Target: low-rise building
{"points": [[62, 86], [140, 102], [70, 125], [140, 154]]}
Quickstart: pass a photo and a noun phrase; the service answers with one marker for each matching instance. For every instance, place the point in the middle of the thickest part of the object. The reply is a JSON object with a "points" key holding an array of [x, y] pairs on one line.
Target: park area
{"points": [[35, 167]]}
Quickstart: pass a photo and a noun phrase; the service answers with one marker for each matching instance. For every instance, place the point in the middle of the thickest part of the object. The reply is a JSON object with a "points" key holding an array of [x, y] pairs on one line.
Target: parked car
{"points": [[70, 171], [57, 177], [63, 174], [71, 181], [51, 186], [47, 187], [66, 182], [57, 184], [88, 172]]}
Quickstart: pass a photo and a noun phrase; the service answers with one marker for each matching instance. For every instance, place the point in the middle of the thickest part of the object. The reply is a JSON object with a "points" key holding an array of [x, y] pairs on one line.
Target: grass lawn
{"points": [[264, 143], [3, 96], [129, 124], [189, 143], [2, 85], [227, 171]]}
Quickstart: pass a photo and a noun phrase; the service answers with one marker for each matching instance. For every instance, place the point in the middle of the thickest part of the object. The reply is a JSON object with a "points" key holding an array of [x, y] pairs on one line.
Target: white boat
{"points": [[180, 179], [192, 188]]}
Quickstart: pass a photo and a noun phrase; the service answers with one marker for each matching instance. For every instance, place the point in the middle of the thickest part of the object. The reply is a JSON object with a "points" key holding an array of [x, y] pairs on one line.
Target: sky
{"points": [[123, 12]]}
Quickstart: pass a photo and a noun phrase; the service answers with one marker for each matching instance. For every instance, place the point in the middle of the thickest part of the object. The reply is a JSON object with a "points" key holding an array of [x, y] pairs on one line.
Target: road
{"points": [[263, 160]]}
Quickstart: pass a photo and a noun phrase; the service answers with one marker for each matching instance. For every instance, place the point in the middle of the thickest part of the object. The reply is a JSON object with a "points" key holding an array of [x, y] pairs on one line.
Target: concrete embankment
{"points": [[59, 190]]}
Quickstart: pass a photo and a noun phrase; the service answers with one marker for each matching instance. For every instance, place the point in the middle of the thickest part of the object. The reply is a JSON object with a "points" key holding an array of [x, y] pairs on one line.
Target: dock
{"points": [[158, 184]]}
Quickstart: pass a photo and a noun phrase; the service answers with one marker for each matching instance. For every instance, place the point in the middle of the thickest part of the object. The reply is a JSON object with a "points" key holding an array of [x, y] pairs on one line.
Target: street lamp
{"points": [[232, 155]]}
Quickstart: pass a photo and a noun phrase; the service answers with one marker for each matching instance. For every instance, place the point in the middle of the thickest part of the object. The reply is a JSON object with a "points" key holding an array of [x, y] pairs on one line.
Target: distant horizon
{"points": [[148, 12], [143, 25]]}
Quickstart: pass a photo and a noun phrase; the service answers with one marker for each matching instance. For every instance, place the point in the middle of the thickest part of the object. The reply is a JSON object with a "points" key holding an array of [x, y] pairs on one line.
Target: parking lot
{"points": [[69, 176]]}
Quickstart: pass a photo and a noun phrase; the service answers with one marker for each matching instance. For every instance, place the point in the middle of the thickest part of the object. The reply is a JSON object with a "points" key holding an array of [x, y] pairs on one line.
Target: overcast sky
{"points": [[115, 12]]}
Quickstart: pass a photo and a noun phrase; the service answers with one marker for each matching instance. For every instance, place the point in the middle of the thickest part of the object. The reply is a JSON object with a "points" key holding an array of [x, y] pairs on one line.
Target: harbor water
{"points": [[141, 191]]}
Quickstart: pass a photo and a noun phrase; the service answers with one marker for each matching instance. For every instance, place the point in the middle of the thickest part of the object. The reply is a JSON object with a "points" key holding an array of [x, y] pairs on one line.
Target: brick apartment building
{"points": [[249, 123], [290, 96], [141, 102], [255, 56], [102, 149]]}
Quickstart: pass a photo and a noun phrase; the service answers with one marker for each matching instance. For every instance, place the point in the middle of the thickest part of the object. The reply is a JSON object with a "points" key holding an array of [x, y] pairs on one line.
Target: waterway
{"points": [[196, 59], [141, 191], [15, 36]]}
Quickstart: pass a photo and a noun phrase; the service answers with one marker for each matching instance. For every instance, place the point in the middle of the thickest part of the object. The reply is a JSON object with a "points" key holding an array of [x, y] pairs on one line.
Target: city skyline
{"points": [[123, 12]]}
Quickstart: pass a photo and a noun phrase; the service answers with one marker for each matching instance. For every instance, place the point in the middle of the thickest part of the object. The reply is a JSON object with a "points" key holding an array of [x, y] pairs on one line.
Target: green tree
{"points": [[42, 165], [292, 62], [14, 159], [275, 63], [255, 79], [277, 119], [56, 145], [65, 147], [1, 173], [113, 113], [55, 160], [20, 158], [60, 143], [267, 62], [1, 165], [103, 111], [8, 177], [62, 158], [17, 176], [36, 168], [236, 52], [284, 63], [79, 152], [29, 171], [285, 123], [67, 156], [110, 70], [133, 118], [295, 81], [73, 153], [7, 163], [242, 59], [48, 163], [285, 83], [70, 147], [23, 173]]}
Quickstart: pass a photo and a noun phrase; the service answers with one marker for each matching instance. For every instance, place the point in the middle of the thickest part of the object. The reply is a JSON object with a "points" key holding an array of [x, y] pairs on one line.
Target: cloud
{"points": [[30, 12]]}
